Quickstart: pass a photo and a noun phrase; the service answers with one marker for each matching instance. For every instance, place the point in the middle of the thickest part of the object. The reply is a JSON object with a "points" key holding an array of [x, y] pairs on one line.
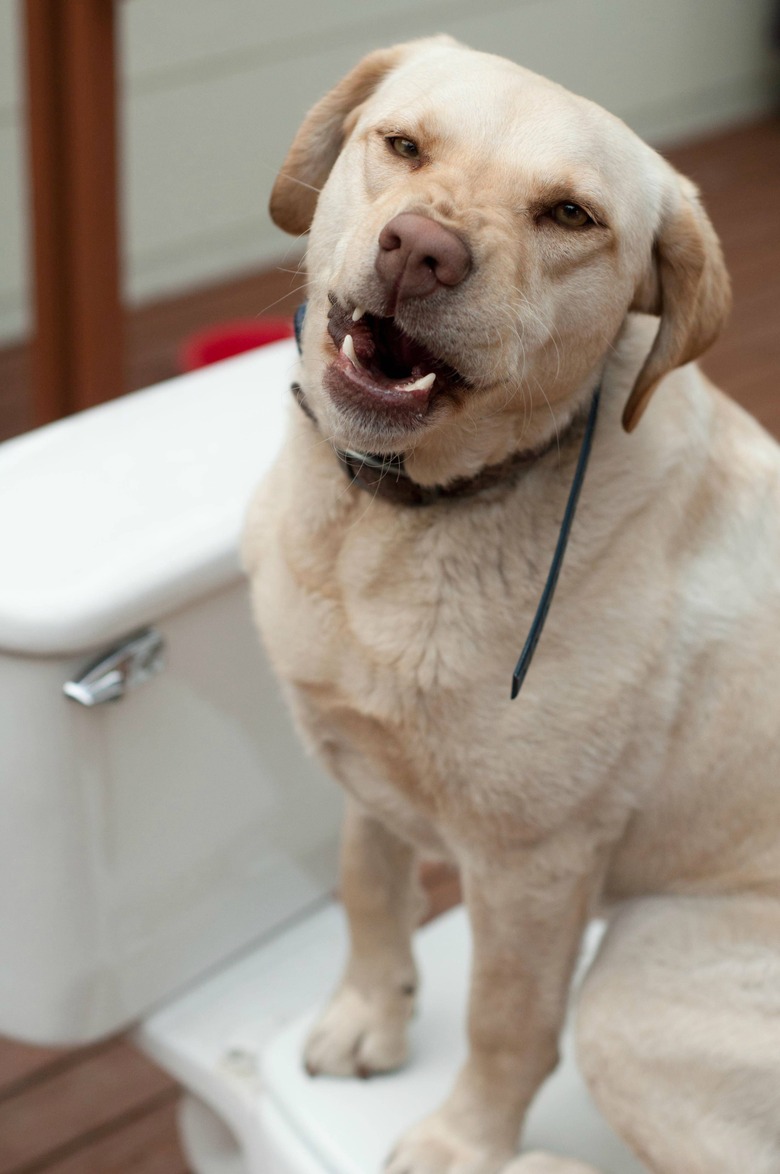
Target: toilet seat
{"points": [[236, 1041]]}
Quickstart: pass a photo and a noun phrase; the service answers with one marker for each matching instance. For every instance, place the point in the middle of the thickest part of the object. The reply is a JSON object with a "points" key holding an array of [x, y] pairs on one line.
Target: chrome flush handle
{"points": [[123, 667]]}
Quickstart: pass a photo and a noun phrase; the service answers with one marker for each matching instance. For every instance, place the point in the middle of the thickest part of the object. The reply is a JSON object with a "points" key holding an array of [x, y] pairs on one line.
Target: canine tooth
{"points": [[348, 347], [421, 384], [357, 313]]}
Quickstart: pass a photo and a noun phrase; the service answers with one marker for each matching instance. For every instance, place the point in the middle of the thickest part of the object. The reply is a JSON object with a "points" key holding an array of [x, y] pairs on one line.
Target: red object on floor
{"points": [[231, 338]]}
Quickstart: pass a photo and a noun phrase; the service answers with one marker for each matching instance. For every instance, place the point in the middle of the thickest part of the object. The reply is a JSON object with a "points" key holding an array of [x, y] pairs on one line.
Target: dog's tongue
{"points": [[396, 353]]}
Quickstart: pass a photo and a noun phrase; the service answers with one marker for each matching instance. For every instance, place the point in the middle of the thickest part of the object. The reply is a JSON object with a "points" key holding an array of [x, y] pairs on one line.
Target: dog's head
{"points": [[478, 236]]}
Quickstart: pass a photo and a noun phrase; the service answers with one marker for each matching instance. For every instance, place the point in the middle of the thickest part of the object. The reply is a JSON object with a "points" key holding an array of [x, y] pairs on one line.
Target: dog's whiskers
{"points": [[294, 179], [270, 306]]}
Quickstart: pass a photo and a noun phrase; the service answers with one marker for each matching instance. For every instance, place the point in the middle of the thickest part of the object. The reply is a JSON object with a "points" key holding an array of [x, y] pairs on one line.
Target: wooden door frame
{"points": [[78, 357]]}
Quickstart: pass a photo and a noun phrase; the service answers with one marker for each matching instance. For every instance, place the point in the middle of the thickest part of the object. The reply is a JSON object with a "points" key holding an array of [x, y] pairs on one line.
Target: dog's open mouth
{"points": [[381, 367]]}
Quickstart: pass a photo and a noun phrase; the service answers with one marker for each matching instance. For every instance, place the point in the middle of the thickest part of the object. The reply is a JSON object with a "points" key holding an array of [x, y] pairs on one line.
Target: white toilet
{"points": [[167, 853]]}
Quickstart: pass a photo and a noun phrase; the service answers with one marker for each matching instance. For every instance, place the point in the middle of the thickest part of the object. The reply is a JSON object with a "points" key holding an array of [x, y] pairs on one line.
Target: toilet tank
{"points": [[157, 814]]}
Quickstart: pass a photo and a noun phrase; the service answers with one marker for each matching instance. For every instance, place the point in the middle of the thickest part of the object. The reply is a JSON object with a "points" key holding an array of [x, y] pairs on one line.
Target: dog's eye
{"points": [[404, 147], [570, 215]]}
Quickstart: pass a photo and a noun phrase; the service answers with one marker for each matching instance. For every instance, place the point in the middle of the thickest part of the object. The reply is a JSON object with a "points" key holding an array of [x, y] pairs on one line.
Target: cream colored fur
{"points": [[639, 770]]}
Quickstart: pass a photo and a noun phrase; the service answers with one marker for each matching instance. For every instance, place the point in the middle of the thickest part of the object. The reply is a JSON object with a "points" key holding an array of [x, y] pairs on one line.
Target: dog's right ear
{"points": [[320, 139]]}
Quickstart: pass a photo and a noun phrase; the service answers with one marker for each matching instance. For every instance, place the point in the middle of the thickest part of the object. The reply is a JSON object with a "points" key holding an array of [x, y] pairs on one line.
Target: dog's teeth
{"points": [[421, 384], [348, 347], [357, 313]]}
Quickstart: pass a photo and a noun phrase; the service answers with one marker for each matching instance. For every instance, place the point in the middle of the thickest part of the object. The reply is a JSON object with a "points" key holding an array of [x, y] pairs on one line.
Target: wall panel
{"points": [[215, 88]]}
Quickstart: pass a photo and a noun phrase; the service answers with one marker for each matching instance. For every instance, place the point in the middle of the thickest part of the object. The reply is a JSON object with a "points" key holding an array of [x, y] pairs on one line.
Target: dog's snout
{"points": [[417, 255]]}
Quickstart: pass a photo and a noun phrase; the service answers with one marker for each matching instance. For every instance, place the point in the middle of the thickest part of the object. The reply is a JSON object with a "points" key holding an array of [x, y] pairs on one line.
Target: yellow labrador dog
{"points": [[487, 250]]}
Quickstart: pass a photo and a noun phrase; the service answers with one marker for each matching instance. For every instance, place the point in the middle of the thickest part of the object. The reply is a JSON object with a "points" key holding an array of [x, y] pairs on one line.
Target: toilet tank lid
{"points": [[124, 513]]}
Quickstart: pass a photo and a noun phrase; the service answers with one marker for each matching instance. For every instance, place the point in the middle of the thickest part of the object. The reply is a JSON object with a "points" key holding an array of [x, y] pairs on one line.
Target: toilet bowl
{"points": [[167, 852]]}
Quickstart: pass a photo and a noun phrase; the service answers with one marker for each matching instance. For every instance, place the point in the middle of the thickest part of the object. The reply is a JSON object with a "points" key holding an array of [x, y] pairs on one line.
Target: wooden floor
{"points": [[105, 1109]]}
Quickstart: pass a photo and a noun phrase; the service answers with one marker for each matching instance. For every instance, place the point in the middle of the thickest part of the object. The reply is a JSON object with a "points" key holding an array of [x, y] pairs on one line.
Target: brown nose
{"points": [[417, 255]]}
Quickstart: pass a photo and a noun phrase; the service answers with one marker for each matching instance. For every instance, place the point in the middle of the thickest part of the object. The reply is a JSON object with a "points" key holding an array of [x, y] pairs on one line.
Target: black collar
{"points": [[384, 475]]}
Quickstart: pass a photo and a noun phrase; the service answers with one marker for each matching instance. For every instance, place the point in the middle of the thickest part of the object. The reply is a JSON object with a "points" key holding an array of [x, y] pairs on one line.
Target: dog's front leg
{"points": [[527, 911], [364, 1029]]}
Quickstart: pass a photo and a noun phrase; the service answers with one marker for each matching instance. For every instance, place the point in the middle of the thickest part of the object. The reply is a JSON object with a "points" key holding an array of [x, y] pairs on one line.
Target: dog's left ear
{"points": [[688, 287], [320, 139]]}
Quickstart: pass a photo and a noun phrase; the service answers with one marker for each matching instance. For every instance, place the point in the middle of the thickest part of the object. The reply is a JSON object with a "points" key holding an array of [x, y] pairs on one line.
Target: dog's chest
{"points": [[396, 635], [386, 604]]}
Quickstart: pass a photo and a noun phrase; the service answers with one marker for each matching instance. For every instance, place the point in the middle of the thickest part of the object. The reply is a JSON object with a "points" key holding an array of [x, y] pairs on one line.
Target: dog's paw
{"points": [[359, 1035], [435, 1147]]}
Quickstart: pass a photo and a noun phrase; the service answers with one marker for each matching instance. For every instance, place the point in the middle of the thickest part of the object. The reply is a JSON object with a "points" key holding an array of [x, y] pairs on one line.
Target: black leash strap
{"points": [[526, 656]]}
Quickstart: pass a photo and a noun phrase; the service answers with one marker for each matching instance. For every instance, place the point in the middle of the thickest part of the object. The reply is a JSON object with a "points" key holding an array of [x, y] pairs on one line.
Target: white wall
{"points": [[215, 88]]}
